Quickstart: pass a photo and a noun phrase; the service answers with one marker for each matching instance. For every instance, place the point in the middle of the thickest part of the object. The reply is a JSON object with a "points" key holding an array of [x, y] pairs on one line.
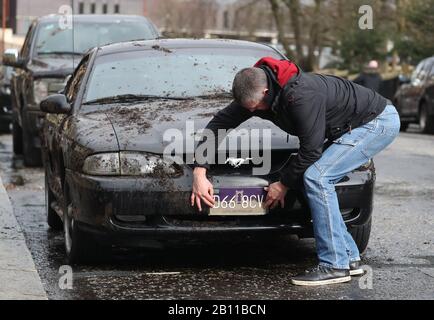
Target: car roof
{"points": [[168, 44], [92, 17], [429, 60]]}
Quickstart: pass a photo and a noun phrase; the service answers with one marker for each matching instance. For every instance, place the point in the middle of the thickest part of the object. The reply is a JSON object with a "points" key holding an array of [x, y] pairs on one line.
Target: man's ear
{"points": [[266, 90]]}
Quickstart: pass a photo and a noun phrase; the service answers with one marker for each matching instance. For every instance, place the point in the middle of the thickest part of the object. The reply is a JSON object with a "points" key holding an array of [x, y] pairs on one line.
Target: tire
{"points": [[80, 247], [361, 235], [4, 128], [404, 126], [426, 121], [32, 156], [17, 138], [53, 219]]}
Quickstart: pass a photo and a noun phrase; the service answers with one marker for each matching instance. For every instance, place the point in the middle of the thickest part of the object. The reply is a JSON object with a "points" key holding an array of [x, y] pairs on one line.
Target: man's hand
{"points": [[276, 194], [202, 189]]}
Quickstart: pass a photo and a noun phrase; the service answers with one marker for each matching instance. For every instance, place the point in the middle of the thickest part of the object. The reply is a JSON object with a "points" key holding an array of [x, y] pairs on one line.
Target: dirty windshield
{"points": [[178, 73], [52, 38]]}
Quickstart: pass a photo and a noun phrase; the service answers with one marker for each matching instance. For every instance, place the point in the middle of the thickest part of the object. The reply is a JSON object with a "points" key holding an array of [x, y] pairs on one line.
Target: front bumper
{"points": [[132, 210]]}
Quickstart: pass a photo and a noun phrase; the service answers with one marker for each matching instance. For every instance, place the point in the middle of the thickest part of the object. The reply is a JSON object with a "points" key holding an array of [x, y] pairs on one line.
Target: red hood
{"points": [[283, 69]]}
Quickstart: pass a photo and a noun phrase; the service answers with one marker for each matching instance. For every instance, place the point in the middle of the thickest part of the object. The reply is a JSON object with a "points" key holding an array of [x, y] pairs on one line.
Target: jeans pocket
{"points": [[346, 141]]}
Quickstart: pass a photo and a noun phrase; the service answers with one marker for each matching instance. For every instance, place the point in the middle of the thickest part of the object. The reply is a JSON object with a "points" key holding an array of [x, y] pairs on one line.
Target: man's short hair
{"points": [[248, 85]]}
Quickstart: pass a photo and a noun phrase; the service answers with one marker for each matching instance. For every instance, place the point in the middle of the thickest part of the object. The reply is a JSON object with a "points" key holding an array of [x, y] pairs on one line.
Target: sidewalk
{"points": [[19, 279]]}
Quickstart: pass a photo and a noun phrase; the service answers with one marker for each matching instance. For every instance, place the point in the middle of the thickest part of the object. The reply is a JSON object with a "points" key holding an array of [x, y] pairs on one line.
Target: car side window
{"points": [[416, 72], [74, 83], [424, 72], [431, 73]]}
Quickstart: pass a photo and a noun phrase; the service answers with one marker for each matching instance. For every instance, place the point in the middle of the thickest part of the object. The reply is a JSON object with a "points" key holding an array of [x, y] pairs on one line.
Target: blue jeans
{"points": [[334, 244]]}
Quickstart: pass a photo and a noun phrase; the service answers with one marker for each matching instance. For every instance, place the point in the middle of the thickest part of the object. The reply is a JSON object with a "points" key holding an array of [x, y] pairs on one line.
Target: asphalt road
{"points": [[400, 254]]}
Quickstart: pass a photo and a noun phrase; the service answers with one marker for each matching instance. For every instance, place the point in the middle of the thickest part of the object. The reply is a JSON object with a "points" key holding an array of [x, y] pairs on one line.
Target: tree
{"points": [[280, 26], [304, 24], [186, 17], [415, 39], [357, 46]]}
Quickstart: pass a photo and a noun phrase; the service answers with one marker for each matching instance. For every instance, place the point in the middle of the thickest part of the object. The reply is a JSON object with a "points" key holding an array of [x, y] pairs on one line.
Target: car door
{"points": [[429, 90], [423, 77], [56, 125], [19, 83], [417, 86]]}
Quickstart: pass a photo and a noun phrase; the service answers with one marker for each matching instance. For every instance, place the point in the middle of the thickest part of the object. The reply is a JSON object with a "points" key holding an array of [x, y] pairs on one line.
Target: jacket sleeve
{"points": [[228, 118], [309, 118]]}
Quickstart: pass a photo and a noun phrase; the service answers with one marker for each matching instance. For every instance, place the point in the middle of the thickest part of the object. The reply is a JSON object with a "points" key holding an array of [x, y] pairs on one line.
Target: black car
{"points": [[415, 98], [107, 179], [49, 54], [5, 99]]}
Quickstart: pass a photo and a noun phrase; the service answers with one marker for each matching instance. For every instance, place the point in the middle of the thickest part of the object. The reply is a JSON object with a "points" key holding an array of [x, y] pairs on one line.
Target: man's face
{"points": [[253, 106]]}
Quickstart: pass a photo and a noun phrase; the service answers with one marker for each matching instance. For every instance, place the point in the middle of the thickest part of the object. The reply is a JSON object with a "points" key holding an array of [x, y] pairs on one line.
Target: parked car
{"points": [[48, 56], [5, 99], [415, 98], [106, 180]]}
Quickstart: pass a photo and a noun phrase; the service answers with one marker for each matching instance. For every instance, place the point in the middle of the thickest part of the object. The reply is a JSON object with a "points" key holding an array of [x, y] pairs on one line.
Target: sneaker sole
{"points": [[357, 272], [320, 283]]}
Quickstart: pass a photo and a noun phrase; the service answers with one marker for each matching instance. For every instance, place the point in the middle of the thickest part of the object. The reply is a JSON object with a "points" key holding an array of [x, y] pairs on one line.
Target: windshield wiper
{"points": [[131, 98], [60, 52]]}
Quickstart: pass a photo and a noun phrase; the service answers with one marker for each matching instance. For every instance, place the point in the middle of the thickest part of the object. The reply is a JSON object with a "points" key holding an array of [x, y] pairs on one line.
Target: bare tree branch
{"points": [[275, 8], [295, 14]]}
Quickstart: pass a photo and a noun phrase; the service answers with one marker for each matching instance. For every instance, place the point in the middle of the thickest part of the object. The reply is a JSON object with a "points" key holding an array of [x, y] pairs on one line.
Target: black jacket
{"points": [[370, 80], [312, 107]]}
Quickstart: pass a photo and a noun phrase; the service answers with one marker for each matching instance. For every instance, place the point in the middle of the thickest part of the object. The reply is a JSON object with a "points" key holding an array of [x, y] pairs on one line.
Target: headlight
{"points": [[129, 164], [136, 164], [105, 164]]}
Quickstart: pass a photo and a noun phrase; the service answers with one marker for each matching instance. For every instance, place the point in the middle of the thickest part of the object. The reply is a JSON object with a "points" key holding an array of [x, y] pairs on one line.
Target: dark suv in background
{"points": [[49, 54], [415, 98], [5, 99]]}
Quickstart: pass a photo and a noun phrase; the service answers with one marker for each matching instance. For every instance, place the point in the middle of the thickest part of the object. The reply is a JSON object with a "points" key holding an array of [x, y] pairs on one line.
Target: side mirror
{"points": [[56, 104], [11, 59], [67, 79]]}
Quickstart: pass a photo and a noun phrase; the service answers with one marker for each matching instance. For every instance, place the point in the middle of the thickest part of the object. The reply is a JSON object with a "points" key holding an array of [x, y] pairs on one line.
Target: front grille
{"points": [[279, 160]]}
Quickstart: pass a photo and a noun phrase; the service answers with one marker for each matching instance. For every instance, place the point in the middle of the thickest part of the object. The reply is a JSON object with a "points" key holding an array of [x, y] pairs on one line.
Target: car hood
{"points": [[143, 126], [61, 65]]}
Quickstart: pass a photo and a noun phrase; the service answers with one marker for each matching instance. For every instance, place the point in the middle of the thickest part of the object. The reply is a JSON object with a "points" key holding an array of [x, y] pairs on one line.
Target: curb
{"points": [[19, 279]]}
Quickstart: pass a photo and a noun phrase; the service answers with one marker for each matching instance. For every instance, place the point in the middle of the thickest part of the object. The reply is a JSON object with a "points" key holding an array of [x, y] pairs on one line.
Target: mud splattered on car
{"points": [[157, 47], [115, 146]]}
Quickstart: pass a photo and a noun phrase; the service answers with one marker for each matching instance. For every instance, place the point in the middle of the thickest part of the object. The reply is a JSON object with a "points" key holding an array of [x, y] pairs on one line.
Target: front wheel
{"points": [[53, 219], [17, 138], [404, 126], [361, 235], [80, 247], [32, 155], [426, 121]]}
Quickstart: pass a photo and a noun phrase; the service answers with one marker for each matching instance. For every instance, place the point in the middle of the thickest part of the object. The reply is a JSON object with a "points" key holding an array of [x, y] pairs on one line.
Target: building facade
{"points": [[28, 10]]}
